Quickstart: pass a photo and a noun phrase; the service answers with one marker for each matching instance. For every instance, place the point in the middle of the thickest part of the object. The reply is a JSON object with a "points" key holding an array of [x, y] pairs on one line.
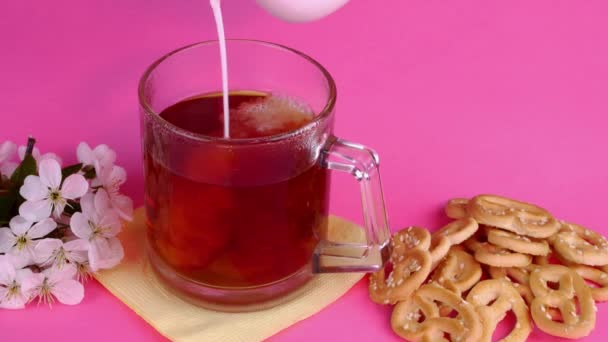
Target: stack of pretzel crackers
{"points": [[498, 255]]}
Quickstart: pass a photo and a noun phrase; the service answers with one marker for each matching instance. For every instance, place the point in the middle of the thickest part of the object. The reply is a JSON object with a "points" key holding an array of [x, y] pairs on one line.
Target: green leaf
{"points": [[6, 205], [26, 168], [70, 170], [11, 202], [4, 182]]}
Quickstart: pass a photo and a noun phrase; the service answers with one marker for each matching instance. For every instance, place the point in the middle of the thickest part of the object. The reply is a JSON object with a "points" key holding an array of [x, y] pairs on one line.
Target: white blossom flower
{"points": [[54, 282], [12, 294], [46, 193], [101, 157], [83, 271], [37, 156], [98, 224], [56, 253], [7, 150], [18, 241], [111, 180]]}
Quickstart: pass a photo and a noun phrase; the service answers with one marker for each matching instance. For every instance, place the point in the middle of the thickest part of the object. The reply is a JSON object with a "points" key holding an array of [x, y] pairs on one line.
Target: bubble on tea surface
{"points": [[271, 115]]}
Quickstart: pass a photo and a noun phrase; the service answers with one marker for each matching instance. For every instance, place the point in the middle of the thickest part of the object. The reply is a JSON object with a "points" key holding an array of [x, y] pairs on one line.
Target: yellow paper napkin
{"points": [[134, 283]]}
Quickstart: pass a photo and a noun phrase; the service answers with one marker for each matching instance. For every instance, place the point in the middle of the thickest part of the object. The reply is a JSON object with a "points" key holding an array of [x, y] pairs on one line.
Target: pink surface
{"points": [[458, 98]]}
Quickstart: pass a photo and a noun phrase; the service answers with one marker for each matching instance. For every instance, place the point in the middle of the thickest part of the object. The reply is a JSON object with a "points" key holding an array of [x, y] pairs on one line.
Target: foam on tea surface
{"points": [[252, 114], [270, 115]]}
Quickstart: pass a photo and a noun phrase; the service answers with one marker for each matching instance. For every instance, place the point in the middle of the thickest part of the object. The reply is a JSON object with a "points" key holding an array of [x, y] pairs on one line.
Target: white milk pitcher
{"points": [[301, 10]]}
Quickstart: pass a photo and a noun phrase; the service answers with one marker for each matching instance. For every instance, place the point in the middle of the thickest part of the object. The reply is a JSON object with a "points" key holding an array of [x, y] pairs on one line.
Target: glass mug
{"points": [[238, 224]]}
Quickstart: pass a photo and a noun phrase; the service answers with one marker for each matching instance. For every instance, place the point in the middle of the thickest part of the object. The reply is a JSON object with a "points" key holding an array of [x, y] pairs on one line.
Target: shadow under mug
{"points": [[240, 224]]}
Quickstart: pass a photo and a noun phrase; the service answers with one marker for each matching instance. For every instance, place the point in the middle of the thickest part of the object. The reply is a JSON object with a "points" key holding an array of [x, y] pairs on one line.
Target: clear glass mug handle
{"points": [[369, 255]]}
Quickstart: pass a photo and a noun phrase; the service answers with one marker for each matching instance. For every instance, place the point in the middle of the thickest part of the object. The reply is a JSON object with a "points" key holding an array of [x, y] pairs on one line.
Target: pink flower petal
{"points": [[7, 149], [123, 206], [118, 176], [45, 250], [76, 245], [31, 284], [20, 257], [102, 157], [7, 239], [50, 155], [36, 210], [42, 228], [23, 274], [69, 292], [111, 222], [105, 155], [20, 225], [56, 275], [58, 209], [74, 186], [14, 302], [77, 250], [33, 189], [8, 168], [50, 173], [102, 201], [98, 250], [87, 203], [7, 270], [85, 154], [79, 256], [80, 226], [107, 253], [118, 252]]}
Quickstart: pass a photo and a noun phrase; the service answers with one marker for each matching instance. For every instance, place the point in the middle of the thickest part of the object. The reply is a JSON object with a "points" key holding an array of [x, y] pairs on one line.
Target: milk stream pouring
{"points": [[288, 10]]}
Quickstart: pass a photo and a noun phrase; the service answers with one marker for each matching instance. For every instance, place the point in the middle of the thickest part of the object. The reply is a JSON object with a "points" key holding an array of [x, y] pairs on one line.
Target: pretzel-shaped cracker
{"points": [[456, 208], [409, 238], [458, 231], [418, 319], [487, 253], [519, 217], [459, 271], [581, 245], [407, 275], [505, 298], [597, 276], [519, 276], [451, 234], [571, 288], [438, 250], [517, 243]]}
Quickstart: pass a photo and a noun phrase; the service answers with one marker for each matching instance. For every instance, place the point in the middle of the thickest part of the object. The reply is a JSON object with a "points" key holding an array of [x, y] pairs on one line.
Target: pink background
{"points": [[458, 97]]}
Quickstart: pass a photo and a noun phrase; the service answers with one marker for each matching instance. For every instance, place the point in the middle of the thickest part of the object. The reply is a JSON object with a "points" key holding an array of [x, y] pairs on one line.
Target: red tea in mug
{"points": [[234, 236]]}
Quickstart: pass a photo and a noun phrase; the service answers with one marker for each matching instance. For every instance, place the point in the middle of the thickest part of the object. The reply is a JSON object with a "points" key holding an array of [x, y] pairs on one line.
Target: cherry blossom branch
{"points": [[57, 225]]}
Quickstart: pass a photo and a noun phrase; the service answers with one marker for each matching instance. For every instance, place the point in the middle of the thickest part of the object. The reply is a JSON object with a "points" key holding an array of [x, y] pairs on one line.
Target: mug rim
{"points": [[324, 114]]}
